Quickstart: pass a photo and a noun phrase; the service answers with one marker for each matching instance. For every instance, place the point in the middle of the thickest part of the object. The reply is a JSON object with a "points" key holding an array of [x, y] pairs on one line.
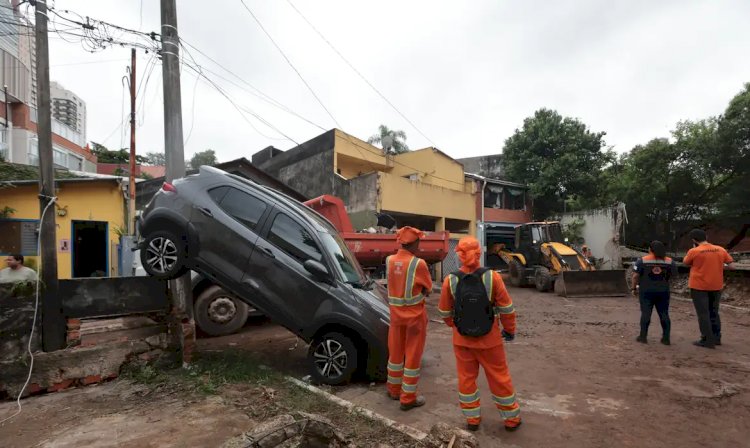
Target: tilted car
{"points": [[277, 255]]}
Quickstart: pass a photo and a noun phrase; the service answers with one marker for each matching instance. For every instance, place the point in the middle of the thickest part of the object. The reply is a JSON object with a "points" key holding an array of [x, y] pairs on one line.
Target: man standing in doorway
{"points": [[16, 271], [707, 263], [409, 282]]}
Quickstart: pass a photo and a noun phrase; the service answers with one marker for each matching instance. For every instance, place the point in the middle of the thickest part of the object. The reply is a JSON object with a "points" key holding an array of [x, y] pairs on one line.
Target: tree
{"points": [[207, 157], [156, 158], [734, 144], [392, 141], [104, 155], [560, 159]]}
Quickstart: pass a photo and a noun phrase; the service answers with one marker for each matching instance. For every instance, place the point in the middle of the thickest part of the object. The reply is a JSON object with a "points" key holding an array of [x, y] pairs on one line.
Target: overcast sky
{"points": [[465, 73]]}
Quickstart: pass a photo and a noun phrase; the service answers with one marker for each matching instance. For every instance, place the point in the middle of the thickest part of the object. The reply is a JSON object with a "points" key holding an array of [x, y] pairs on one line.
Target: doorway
{"points": [[90, 256]]}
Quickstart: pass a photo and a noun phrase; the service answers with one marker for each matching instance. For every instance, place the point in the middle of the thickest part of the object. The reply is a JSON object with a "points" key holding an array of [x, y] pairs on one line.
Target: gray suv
{"points": [[279, 256]]}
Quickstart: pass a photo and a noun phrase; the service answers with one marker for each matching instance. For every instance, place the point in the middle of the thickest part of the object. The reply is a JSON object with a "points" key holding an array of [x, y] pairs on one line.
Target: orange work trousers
{"points": [[495, 367], [405, 348]]}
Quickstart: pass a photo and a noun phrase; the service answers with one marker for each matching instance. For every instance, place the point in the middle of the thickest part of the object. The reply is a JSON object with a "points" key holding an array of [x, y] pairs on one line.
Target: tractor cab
{"points": [[531, 236]]}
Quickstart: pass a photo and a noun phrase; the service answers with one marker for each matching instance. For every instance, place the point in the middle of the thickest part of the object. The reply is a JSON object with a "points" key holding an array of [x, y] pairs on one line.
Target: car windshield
{"points": [[345, 262], [555, 233]]}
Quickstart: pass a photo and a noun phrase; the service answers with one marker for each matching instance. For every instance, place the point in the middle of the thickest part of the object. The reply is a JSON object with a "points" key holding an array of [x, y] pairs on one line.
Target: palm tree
{"points": [[392, 141]]}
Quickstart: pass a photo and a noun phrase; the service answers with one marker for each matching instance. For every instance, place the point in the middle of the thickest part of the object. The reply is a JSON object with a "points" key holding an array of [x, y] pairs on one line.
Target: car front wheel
{"points": [[332, 359], [163, 255]]}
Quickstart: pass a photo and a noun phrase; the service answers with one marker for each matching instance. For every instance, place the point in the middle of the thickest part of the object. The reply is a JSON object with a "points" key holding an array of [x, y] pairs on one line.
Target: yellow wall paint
{"points": [[361, 151], [402, 195], [433, 167], [86, 201]]}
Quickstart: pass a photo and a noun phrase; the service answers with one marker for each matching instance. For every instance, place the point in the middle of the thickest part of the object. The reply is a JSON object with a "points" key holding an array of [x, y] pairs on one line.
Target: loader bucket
{"points": [[591, 283]]}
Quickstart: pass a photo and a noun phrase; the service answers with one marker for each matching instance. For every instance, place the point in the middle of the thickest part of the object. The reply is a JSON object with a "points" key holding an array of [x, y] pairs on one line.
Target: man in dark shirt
{"points": [[651, 286]]}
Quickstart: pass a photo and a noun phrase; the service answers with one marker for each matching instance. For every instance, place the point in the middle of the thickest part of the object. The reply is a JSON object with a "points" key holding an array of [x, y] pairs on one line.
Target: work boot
{"points": [[392, 397], [420, 401], [665, 340], [642, 339], [472, 427], [513, 428], [703, 343], [717, 339]]}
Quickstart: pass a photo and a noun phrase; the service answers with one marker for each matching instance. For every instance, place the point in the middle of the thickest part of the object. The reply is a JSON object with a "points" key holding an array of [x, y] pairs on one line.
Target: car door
{"points": [[291, 294], [227, 224]]}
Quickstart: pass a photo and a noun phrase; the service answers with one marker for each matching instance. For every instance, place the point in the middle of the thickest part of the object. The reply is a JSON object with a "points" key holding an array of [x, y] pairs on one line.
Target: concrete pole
{"points": [[53, 322], [131, 182], [183, 327]]}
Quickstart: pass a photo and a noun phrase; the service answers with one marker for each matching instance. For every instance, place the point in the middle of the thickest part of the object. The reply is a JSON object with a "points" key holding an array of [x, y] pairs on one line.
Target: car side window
{"points": [[241, 206], [218, 193], [294, 239]]}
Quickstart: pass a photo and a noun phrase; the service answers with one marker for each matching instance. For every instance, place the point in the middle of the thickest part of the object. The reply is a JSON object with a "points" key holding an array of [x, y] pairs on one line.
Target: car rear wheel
{"points": [[163, 255], [217, 313], [332, 359]]}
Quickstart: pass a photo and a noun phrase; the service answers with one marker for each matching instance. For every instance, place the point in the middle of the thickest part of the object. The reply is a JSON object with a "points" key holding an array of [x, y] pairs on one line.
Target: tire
{"points": [[344, 352], [163, 255], [543, 279], [218, 313], [517, 273]]}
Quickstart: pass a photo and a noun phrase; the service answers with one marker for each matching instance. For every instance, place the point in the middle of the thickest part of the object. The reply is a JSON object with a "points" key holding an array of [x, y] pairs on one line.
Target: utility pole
{"points": [[53, 322], [131, 182], [183, 325]]}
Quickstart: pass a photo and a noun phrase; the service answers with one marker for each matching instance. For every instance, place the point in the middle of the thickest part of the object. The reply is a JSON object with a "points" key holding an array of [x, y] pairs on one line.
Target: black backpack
{"points": [[473, 313]]}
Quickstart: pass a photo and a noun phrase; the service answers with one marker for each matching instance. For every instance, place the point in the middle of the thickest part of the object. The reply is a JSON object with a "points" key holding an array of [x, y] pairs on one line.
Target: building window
{"points": [[516, 199], [18, 237], [33, 154], [493, 196], [457, 225]]}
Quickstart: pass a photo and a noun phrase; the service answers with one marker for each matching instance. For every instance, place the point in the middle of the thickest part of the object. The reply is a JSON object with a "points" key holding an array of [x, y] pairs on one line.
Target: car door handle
{"points": [[206, 211], [267, 252]]}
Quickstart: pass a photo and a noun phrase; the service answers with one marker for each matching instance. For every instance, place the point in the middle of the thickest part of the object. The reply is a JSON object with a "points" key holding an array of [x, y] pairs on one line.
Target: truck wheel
{"points": [[333, 359], [217, 313], [543, 279], [517, 273], [163, 255]]}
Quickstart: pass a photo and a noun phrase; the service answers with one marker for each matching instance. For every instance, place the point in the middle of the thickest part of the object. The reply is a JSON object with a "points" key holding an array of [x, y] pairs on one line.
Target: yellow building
{"points": [[89, 213], [424, 188]]}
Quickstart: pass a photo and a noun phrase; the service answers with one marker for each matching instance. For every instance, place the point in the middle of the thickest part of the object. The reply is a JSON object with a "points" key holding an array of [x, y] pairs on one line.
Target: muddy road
{"points": [[581, 378]]}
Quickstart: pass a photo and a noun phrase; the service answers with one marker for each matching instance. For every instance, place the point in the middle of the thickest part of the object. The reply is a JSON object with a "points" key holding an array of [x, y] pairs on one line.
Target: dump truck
{"points": [[371, 249], [543, 258]]}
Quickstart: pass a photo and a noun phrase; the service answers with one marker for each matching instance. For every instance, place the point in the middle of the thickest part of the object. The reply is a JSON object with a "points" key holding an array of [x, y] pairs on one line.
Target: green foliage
{"points": [[391, 140], [6, 212], [574, 231], [207, 157], [559, 158], [156, 158], [104, 155]]}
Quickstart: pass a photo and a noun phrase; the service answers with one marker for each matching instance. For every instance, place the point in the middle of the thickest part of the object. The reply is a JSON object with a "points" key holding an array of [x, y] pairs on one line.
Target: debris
{"points": [[442, 433], [291, 430]]}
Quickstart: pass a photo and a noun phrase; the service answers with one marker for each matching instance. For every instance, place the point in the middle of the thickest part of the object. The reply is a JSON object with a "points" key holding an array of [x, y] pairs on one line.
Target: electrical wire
{"points": [[375, 89], [33, 321], [317, 98]]}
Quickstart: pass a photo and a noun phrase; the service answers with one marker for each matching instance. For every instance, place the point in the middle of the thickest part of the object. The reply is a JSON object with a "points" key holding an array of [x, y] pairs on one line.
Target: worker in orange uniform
{"points": [[471, 302], [409, 283]]}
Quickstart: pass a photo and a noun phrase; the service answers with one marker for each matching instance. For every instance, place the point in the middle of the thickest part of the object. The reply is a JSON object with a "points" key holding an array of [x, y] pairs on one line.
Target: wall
{"points": [[312, 176], [486, 166], [402, 195], [354, 156], [435, 168], [512, 216], [600, 232], [85, 201]]}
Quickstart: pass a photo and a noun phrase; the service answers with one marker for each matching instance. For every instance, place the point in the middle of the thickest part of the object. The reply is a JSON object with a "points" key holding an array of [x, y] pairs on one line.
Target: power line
{"points": [[290, 64], [255, 91], [359, 73]]}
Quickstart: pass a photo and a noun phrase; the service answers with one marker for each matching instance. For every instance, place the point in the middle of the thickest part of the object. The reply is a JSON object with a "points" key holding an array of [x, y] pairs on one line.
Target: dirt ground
{"points": [[581, 378]]}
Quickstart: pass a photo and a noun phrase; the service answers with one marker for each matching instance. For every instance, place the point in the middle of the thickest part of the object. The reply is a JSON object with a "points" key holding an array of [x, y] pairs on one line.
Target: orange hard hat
{"points": [[407, 235]]}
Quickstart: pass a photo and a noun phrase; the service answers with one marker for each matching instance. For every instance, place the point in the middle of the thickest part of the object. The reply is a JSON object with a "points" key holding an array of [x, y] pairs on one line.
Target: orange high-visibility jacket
{"points": [[502, 304], [408, 283]]}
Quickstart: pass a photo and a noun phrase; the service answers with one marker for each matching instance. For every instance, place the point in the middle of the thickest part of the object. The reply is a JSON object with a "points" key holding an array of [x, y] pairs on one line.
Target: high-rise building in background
{"points": [[19, 142]]}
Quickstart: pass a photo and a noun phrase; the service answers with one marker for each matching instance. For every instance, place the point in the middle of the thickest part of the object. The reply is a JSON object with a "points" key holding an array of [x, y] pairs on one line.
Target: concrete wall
{"points": [[312, 176], [601, 232], [435, 168], [487, 166], [85, 201]]}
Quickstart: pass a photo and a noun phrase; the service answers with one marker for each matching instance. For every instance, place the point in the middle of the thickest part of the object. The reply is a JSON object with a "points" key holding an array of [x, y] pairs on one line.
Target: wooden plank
{"points": [[102, 297]]}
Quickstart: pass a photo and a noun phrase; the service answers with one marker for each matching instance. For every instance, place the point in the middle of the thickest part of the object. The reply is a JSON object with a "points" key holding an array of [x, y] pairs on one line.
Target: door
{"points": [[90, 254], [227, 222], [290, 294]]}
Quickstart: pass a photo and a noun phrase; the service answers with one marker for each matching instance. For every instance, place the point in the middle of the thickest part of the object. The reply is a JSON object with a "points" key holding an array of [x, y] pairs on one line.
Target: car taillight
{"points": [[169, 187]]}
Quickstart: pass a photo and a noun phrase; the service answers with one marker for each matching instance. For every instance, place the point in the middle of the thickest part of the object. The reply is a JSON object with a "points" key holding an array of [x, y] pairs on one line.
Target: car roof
{"points": [[290, 204]]}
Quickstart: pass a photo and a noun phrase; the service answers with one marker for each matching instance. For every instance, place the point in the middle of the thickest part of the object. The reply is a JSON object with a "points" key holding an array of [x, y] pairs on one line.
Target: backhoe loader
{"points": [[544, 259]]}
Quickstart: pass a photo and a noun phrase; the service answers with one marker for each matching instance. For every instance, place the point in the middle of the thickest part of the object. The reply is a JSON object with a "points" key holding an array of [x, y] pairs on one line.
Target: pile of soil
{"points": [[736, 288]]}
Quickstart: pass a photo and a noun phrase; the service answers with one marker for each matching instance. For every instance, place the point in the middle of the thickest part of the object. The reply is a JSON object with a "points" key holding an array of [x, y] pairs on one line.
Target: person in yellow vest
{"points": [[409, 283]]}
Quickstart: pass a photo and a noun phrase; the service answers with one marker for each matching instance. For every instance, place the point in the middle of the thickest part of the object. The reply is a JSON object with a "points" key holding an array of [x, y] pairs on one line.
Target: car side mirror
{"points": [[317, 270]]}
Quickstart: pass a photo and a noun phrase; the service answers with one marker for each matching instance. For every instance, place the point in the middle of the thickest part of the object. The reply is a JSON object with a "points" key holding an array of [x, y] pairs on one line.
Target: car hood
{"points": [[376, 298]]}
